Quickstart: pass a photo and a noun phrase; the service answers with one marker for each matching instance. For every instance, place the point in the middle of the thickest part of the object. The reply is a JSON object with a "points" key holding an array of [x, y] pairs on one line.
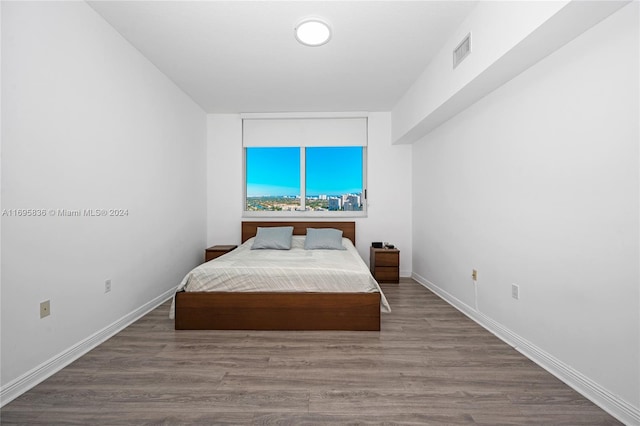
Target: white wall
{"points": [[389, 194], [538, 184], [491, 39], [88, 123], [507, 37], [389, 187], [224, 178], [1, 204]]}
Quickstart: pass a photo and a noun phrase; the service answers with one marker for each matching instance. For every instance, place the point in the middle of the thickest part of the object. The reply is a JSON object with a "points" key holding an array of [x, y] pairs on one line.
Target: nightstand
{"points": [[217, 251], [385, 264]]}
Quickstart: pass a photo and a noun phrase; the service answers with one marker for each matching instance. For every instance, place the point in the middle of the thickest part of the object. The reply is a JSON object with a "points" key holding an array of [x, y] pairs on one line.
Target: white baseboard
{"points": [[405, 274], [22, 384], [612, 404]]}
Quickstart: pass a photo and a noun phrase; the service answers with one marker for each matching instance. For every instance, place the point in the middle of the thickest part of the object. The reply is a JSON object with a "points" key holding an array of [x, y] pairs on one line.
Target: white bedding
{"points": [[295, 270]]}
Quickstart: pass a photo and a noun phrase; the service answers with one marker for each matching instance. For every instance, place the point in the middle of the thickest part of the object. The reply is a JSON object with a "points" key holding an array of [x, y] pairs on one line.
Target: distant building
{"points": [[352, 202], [335, 203]]}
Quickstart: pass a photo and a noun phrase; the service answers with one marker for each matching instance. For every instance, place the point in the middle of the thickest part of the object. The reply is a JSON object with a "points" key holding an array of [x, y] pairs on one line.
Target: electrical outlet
{"points": [[474, 274], [107, 286], [45, 308], [515, 291]]}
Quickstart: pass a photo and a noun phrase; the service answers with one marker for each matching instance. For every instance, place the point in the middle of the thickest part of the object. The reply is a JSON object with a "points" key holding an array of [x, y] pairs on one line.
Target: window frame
{"points": [[305, 213]]}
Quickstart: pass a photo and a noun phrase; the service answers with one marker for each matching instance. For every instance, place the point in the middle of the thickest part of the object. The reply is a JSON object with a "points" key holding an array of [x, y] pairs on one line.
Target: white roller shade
{"points": [[304, 132]]}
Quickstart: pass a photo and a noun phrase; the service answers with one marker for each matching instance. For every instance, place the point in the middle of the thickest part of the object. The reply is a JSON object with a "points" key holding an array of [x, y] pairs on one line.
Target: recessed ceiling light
{"points": [[312, 32]]}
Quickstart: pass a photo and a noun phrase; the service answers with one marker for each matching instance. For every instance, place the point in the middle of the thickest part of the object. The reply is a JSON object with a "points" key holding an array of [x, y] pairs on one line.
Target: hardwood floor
{"points": [[428, 365]]}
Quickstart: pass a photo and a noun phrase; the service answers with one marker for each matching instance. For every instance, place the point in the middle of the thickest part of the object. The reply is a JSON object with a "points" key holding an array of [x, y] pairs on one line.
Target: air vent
{"points": [[462, 50]]}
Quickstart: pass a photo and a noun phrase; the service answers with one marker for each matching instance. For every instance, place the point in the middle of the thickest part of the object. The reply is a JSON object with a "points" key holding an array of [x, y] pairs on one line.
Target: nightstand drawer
{"points": [[387, 259], [387, 274]]}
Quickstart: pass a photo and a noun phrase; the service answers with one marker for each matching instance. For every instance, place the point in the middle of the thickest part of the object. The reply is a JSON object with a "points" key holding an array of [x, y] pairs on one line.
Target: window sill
{"points": [[305, 214]]}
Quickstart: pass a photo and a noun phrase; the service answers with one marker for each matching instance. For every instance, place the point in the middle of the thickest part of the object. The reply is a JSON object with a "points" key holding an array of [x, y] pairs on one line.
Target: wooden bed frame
{"points": [[279, 311]]}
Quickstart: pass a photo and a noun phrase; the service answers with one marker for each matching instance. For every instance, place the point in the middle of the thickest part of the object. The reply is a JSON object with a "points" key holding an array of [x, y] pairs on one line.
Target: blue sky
{"points": [[329, 171]]}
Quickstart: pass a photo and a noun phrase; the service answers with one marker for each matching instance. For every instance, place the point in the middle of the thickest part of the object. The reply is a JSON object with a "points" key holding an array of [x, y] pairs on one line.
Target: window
{"points": [[273, 179], [334, 178], [292, 168]]}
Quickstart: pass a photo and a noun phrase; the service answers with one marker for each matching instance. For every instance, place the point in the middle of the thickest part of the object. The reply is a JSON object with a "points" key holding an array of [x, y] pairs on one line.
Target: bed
{"points": [[286, 309]]}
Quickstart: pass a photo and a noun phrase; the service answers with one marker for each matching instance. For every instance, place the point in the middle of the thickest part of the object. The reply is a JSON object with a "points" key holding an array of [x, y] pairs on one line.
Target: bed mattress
{"points": [[294, 270]]}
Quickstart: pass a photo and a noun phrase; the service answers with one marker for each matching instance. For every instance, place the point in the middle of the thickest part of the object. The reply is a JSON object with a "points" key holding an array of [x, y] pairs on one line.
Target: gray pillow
{"points": [[277, 238], [325, 238]]}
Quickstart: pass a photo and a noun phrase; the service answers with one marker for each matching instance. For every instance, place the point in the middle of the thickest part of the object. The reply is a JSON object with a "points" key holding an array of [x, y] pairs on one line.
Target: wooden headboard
{"points": [[249, 229]]}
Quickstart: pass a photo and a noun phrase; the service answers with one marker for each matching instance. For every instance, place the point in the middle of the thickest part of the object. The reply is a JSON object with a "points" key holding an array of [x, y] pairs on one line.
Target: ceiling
{"points": [[242, 56]]}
